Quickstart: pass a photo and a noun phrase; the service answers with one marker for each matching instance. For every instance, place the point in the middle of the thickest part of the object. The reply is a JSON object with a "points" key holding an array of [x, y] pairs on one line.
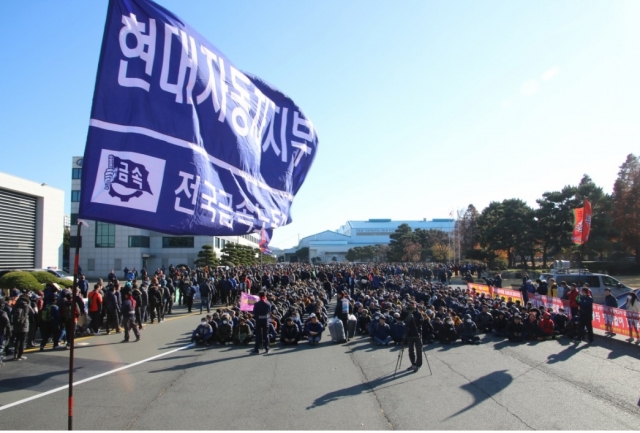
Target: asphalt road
{"points": [[554, 385]]}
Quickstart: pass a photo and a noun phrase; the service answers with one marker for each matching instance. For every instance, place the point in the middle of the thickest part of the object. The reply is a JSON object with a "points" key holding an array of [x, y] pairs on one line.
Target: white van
{"points": [[597, 282]]}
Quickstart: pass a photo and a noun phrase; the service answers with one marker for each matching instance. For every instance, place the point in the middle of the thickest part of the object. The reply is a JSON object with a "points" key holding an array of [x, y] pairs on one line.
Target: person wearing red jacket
{"points": [[573, 301], [547, 327]]}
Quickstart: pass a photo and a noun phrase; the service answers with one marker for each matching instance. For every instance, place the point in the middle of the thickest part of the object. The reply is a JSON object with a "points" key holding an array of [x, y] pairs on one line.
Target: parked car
{"points": [[597, 282]]}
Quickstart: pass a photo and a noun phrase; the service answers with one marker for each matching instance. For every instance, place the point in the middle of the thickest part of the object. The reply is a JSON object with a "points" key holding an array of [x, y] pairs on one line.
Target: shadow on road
{"points": [[355, 390], [565, 354], [485, 387], [24, 382]]}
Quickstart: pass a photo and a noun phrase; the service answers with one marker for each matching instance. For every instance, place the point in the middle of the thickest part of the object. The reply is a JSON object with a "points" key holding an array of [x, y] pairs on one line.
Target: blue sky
{"points": [[421, 107]]}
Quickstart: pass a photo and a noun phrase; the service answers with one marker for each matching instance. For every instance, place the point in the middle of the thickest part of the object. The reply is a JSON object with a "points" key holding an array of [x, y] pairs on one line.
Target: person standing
{"points": [[128, 317], [21, 314], [262, 313], [413, 336], [343, 309], [205, 296], [95, 309], [83, 285], [5, 330], [69, 314], [633, 306], [573, 300], [155, 301], [585, 303]]}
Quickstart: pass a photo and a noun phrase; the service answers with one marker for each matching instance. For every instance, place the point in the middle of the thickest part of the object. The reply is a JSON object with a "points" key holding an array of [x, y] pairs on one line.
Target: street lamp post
{"points": [[72, 319]]}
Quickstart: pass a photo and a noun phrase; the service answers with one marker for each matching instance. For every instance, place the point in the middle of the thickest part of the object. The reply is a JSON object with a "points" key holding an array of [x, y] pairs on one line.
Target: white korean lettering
{"points": [[270, 141], [223, 201], [243, 217], [148, 40], [302, 128], [136, 175], [240, 114], [211, 88], [123, 172], [188, 59], [185, 187]]}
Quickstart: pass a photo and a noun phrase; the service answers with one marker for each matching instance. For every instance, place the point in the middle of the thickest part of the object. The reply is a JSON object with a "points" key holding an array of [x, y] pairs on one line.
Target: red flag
{"points": [[586, 225], [578, 218]]}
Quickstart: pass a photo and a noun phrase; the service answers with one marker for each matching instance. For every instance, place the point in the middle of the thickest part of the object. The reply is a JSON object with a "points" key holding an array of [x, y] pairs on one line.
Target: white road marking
{"points": [[43, 394]]}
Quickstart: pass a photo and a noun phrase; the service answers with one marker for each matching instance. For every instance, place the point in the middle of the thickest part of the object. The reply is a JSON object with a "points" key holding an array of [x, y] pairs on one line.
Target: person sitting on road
{"points": [[547, 328], [397, 329], [382, 332], [501, 323], [484, 320], [203, 333], [448, 332], [468, 331], [364, 320], [290, 332], [313, 330], [531, 326], [243, 336], [225, 331], [560, 321], [515, 329]]}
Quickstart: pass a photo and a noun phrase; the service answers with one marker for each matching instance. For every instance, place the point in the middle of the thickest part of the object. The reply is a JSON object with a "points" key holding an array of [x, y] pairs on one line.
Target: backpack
{"points": [[47, 314], [19, 316]]}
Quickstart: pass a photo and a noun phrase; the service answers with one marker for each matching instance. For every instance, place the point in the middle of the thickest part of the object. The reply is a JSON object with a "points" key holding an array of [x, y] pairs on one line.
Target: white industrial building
{"points": [[105, 246], [31, 224], [330, 245]]}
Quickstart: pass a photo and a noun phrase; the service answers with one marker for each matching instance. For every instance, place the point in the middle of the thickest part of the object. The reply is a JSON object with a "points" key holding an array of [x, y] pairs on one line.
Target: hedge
{"points": [[20, 280]]}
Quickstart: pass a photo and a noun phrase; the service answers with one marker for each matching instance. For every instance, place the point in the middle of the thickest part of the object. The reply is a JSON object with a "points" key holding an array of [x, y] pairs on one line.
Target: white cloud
{"points": [[550, 73], [505, 103], [530, 88]]}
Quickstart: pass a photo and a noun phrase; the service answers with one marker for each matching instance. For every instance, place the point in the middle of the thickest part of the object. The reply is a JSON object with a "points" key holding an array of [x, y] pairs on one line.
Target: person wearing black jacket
{"points": [[128, 317], [5, 330], [586, 314], [413, 336], [205, 296], [155, 302], [261, 312], [112, 309], [290, 333], [515, 329]]}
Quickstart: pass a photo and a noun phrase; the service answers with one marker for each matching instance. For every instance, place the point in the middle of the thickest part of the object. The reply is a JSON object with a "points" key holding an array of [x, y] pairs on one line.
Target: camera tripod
{"points": [[399, 361]]}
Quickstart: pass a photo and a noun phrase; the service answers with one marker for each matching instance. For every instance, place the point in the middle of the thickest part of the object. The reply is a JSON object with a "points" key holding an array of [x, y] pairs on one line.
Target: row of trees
{"points": [[232, 255], [514, 232]]}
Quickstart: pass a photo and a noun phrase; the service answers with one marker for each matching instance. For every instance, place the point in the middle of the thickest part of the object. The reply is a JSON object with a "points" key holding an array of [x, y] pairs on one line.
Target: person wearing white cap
{"points": [[314, 330]]}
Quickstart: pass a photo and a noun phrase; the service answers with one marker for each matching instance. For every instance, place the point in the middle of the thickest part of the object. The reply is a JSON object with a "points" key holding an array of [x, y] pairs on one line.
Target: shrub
{"points": [[64, 283], [44, 277], [20, 280]]}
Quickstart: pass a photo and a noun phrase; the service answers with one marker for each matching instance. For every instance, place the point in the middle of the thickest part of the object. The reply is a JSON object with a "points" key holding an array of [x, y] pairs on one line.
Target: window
{"points": [[105, 235], [91, 265], [76, 173], [73, 241], [74, 219], [223, 243], [138, 241], [186, 242], [75, 196], [217, 241]]}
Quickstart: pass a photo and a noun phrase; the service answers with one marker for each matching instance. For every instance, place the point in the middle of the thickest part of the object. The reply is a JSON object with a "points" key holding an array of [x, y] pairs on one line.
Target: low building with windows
{"points": [[105, 246], [331, 246], [31, 224]]}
